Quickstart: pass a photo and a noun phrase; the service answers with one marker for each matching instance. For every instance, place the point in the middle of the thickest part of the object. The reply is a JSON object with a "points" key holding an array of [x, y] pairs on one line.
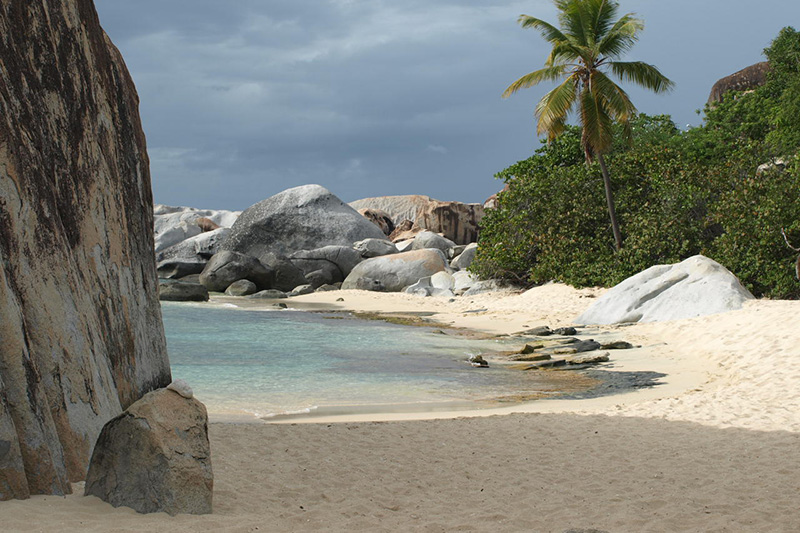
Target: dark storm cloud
{"points": [[243, 99]]}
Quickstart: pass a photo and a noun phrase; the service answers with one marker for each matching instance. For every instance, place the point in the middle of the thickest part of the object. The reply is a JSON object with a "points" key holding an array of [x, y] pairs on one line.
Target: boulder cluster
{"points": [[305, 239]]}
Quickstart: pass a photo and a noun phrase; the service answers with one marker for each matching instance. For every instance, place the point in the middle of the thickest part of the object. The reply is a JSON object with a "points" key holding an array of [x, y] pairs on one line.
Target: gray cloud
{"points": [[243, 99]]}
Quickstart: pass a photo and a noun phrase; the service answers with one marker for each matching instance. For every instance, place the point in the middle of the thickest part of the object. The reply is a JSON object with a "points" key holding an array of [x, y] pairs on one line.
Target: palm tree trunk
{"points": [[610, 199]]}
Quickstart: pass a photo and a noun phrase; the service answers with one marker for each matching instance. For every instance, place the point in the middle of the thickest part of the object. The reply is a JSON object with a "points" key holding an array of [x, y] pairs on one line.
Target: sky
{"points": [[245, 98]]}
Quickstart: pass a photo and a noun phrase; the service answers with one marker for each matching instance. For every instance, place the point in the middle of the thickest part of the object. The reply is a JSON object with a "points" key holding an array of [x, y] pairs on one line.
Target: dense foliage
{"points": [[678, 194]]}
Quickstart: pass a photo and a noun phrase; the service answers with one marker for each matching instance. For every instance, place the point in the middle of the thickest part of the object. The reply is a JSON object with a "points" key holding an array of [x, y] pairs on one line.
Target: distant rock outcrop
{"points": [[302, 218], [747, 79], [695, 287], [80, 321], [457, 221]]}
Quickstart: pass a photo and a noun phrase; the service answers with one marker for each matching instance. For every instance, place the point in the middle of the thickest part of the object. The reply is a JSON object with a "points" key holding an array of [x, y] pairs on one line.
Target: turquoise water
{"points": [[268, 363]]}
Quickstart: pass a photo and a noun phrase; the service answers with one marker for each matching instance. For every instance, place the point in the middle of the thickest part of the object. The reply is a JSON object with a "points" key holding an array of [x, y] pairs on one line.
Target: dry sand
{"points": [[716, 447]]}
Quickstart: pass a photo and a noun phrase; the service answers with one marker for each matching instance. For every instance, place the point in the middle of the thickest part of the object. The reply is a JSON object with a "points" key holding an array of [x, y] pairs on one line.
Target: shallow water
{"points": [[268, 363]]}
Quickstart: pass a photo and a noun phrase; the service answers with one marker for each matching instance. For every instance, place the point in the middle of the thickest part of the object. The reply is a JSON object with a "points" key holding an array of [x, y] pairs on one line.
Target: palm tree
{"points": [[587, 45]]}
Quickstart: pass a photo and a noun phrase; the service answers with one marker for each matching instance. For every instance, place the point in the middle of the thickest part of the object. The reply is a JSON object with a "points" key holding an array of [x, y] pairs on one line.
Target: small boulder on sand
{"points": [[155, 456]]}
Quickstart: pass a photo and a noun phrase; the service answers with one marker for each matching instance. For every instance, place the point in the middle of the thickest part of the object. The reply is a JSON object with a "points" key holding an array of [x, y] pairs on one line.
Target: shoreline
{"points": [[696, 355]]}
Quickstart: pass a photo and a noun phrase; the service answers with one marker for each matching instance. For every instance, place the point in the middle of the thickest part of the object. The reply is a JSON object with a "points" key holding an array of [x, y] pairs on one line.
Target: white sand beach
{"points": [[714, 447]]}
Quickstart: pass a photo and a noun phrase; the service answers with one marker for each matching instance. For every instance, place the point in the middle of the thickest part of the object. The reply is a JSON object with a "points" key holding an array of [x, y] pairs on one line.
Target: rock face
{"points": [[695, 287], [455, 220], [191, 255], [155, 456], [80, 321], [393, 273], [746, 79], [379, 218], [226, 267], [302, 218]]}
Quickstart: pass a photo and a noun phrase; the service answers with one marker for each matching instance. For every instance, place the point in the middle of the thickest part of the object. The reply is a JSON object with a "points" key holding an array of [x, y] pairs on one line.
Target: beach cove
{"points": [[713, 448]]}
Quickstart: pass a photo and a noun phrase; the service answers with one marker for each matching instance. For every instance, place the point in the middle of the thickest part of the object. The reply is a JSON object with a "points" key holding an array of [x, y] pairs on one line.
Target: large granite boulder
{"points": [[191, 255], [747, 79], [455, 220], [302, 218], [80, 321], [695, 287], [226, 267], [393, 273], [155, 456]]}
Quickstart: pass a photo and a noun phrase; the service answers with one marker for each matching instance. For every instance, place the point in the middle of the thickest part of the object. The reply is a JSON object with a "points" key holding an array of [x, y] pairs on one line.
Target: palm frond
{"points": [[602, 13], [597, 131], [621, 37], [642, 74], [550, 33], [574, 22], [554, 73], [613, 97], [553, 108]]}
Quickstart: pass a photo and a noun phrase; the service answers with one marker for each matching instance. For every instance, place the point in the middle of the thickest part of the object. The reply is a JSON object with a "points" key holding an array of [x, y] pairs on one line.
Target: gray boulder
{"points": [[170, 290], [155, 456], [393, 273], [191, 255], [428, 239], [226, 267], [175, 224], [327, 265], [443, 281], [465, 258], [695, 287], [302, 290], [423, 287], [269, 294], [243, 287], [287, 274], [302, 218], [375, 248]]}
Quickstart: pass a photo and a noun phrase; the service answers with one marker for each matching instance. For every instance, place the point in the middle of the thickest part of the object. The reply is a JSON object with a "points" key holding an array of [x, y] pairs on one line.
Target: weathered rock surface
{"points": [[375, 248], [175, 224], [170, 290], [226, 267], [746, 79], [463, 281], [287, 275], [695, 287], [336, 262], [428, 239], [379, 218], [190, 255], [465, 258], [80, 321], [458, 222], [489, 285], [393, 273], [243, 287], [155, 457], [302, 218]]}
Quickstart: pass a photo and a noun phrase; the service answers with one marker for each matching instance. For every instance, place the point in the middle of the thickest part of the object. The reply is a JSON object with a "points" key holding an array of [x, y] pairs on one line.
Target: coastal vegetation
{"points": [[725, 189], [588, 44]]}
